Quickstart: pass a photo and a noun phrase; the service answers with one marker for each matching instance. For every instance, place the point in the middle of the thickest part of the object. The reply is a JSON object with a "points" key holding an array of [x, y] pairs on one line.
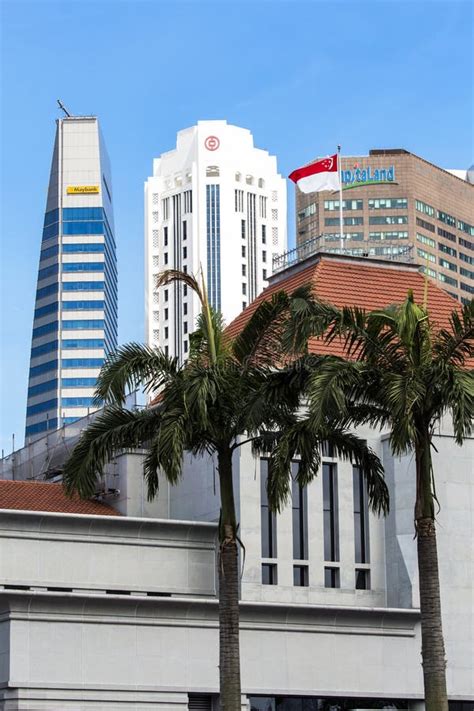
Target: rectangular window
{"points": [[448, 280], [264, 256], [330, 512], [185, 252], [244, 270], [83, 285], [185, 309], [268, 518], [299, 506], [348, 221], [447, 219], [362, 579], [307, 211], [466, 243], [243, 251], [388, 203], [388, 220], [447, 235], [447, 250], [426, 240], [244, 288], [269, 574], [41, 407], [42, 388], [166, 294], [71, 343], [244, 305], [423, 207], [346, 205], [243, 233], [165, 236], [185, 346], [264, 274], [185, 230], [361, 517], [331, 578], [426, 225], [165, 204], [465, 227], [392, 235], [300, 576], [83, 305], [447, 265], [166, 332], [426, 255], [165, 257], [185, 326], [430, 272], [166, 314], [466, 272], [264, 234]]}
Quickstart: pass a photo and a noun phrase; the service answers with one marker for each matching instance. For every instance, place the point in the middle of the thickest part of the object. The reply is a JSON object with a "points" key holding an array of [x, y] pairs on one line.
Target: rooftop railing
{"points": [[390, 250]]}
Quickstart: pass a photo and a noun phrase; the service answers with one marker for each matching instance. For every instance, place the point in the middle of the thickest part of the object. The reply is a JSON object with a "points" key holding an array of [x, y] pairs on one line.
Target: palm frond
{"points": [[260, 339], [457, 343], [132, 365], [348, 446], [111, 431]]}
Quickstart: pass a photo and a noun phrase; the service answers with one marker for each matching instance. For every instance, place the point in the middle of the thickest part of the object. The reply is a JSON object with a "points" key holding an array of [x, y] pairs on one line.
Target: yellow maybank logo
{"points": [[82, 189]]}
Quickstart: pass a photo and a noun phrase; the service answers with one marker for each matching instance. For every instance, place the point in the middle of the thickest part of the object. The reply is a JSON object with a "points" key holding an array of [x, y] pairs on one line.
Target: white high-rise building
{"points": [[217, 203]]}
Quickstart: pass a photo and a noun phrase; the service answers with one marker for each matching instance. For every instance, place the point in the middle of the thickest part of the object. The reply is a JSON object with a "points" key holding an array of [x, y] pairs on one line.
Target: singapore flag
{"points": [[322, 175]]}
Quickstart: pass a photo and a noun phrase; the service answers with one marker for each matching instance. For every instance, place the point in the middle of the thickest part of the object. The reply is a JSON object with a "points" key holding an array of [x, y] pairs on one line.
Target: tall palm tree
{"points": [[399, 372], [225, 394]]}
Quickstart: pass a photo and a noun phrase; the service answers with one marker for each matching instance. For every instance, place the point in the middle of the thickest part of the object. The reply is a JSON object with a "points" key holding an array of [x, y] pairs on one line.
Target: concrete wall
{"points": [[100, 553], [111, 652]]}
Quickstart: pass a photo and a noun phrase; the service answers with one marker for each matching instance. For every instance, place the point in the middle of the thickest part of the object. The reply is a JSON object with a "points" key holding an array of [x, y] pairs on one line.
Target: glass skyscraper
{"points": [[75, 318]]}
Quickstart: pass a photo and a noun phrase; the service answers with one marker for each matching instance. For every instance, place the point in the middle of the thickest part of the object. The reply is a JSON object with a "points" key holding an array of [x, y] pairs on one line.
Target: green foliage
{"points": [[224, 394], [398, 372]]}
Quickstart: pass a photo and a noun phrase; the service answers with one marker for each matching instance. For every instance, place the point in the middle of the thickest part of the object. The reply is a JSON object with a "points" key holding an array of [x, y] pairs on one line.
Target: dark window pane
{"points": [[331, 578], [362, 579], [269, 574], [330, 513], [268, 518], [300, 575]]}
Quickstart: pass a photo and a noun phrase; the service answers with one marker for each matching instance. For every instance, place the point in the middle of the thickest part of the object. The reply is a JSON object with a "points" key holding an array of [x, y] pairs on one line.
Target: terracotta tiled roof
{"points": [[42, 496], [365, 283]]}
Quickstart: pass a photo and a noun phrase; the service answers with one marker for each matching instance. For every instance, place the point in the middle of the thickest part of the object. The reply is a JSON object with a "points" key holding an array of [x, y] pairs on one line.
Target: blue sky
{"points": [[302, 76]]}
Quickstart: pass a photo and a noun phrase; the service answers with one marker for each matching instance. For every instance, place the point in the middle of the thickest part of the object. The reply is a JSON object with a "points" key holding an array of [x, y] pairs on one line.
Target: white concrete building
{"points": [[328, 595], [217, 203]]}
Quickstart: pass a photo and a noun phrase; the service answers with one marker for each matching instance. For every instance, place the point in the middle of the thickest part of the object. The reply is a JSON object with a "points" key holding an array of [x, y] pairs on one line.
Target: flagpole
{"points": [[341, 220]]}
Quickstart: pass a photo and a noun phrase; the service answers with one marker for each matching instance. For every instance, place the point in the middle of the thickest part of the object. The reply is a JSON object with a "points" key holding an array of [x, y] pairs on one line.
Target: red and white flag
{"points": [[322, 175]]}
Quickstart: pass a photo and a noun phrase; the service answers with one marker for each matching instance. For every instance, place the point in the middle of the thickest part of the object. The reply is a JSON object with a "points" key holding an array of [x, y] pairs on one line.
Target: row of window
{"points": [[373, 203], [69, 306], [444, 217], [65, 383], [44, 426], [330, 527], [37, 370]]}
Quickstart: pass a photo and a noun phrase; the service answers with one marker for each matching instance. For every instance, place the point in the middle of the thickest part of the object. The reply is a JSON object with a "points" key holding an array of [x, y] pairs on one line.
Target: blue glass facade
{"points": [[77, 228], [213, 223]]}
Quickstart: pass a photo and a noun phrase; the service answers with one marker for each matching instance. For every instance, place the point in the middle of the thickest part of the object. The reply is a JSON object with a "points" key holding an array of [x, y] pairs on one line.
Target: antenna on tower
{"points": [[62, 107]]}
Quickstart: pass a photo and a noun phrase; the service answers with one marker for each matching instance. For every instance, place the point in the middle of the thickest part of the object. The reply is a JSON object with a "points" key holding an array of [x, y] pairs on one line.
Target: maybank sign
{"points": [[82, 189], [367, 176]]}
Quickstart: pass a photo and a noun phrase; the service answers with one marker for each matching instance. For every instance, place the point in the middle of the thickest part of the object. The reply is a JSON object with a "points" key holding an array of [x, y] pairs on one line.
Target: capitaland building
{"points": [[75, 317], [397, 205], [217, 204], [329, 601]]}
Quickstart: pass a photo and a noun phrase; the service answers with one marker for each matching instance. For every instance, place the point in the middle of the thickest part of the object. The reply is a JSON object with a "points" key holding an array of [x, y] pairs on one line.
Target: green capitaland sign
{"points": [[358, 177]]}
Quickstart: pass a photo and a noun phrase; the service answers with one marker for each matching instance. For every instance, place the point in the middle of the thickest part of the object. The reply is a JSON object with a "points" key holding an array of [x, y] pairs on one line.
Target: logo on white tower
{"points": [[212, 143]]}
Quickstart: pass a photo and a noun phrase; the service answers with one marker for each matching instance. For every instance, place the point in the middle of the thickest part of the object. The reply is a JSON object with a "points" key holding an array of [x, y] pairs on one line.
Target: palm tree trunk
{"points": [[229, 654], [432, 643]]}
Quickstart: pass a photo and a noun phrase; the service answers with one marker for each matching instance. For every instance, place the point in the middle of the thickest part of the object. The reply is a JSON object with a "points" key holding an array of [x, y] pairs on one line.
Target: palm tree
{"points": [[227, 393], [402, 373]]}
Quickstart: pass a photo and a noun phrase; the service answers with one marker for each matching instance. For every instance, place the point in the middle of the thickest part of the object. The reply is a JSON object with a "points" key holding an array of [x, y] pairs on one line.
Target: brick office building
{"points": [[398, 205]]}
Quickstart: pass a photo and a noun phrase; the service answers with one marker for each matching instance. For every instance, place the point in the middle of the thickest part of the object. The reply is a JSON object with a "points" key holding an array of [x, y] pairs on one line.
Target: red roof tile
{"points": [[365, 283], [43, 496]]}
